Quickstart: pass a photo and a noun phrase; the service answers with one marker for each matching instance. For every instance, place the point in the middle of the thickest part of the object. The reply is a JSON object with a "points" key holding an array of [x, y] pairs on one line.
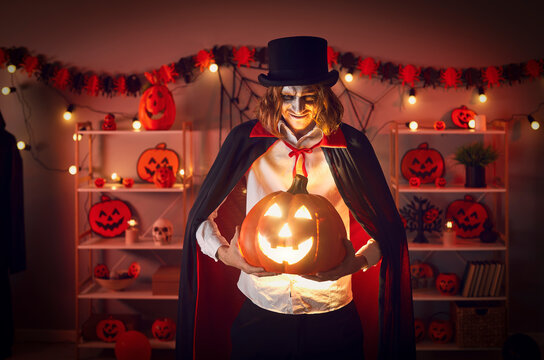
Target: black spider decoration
{"points": [[388, 71], [261, 55], [348, 61], [430, 76], [472, 77], [107, 85], [133, 85], [16, 55], [46, 72], [78, 81], [513, 73], [222, 55], [184, 67]]}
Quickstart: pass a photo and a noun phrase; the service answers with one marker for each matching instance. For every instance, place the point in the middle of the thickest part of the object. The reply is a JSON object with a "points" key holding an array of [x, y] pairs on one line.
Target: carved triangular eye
{"points": [[285, 231], [303, 213], [274, 211]]}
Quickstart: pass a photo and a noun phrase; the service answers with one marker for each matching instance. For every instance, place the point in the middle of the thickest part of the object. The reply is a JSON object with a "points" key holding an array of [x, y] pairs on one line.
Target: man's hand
{"points": [[352, 263], [230, 255]]}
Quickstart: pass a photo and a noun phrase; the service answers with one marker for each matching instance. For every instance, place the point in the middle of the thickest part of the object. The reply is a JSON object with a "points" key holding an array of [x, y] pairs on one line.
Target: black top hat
{"points": [[298, 60]]}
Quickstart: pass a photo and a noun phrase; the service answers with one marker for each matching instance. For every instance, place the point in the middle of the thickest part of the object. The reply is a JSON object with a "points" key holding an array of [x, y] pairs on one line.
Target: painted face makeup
{"points": [[299, 108]]}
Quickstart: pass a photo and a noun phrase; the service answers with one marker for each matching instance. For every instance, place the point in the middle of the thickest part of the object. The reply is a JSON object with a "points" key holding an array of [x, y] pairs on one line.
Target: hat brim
{"points": [[328, 79]]}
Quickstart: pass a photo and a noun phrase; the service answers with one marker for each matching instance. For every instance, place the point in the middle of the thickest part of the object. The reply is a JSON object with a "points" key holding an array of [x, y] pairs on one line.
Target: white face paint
{"points": [[299, 108]]}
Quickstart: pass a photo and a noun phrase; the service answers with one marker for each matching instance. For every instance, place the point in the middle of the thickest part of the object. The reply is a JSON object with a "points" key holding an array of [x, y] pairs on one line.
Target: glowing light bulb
{"points": [[21, 145], [472, 123], [68, 113], [11, 68], [77, 137], [7, 90], [132, 223], [114, 176], [348, 77], [413, 125], [213, 67], [449, 224], [136, 124], [182, 172], [481, 95], [535, 125], [412, 96], [72, 170]]}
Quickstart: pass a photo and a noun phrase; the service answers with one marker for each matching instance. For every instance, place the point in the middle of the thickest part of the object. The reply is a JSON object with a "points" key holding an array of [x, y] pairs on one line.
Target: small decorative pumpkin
{"points": [[420, 270], [424, 163], [101, 271], [164, 329], [430, 215], [109, 123], [99, 182], [134, 270], [108, 330], [164, 177], [293, 232], [439, 125], [419, 330], [109, 217], [468, 217], [440, 331], [440, 182], [157, 110], [462, 116], [128, 182], [447, 283], [151, 159], [414, 181]]}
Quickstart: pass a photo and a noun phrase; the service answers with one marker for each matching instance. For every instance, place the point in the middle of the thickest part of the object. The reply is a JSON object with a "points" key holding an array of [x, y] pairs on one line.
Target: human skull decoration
{"points": [[162, 231]]}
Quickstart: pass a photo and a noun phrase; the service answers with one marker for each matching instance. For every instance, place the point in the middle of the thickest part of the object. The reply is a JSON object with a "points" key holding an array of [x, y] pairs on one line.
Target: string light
{"points": [[348, 77], [213, 67], [412, 125], [11, 68], [481, 95], [136, 124], [6, 90], [115, 177], [472, 123], [412, 96], [21, 145], [77, 137], [535, 125], [68, 113], [182, 172], [72, 170]]}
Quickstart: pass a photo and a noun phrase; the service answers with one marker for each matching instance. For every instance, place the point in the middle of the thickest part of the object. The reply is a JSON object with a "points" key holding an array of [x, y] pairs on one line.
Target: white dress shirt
{"points": [[273, 171]]}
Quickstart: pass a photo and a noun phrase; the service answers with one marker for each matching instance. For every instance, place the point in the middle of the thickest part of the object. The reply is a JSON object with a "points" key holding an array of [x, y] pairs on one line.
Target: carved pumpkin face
{"points": [[164, 329], [447, 284], [109, 330], [152, 159], [421, 270], [164, 177], [128, 182], [468, 217], [414, 181], [99, 182], [101, 271], [440, 182], [462, 116], [430, 215], [134, 270], [419, 329], [109, 123], [424, 163], [157, 110], [109, 218], [439, 125], [293, 232], [440, 331]]}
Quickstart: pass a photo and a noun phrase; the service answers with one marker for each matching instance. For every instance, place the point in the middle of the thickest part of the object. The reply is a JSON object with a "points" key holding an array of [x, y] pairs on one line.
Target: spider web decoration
{"points": [[421, 216]]}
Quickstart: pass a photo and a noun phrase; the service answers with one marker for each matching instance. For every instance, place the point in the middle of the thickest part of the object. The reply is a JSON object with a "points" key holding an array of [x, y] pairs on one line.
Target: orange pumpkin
{"points": [[109, 217], [468, 217], [293, 232], [419, 329], [462, 116], [157, 110], [152, 159], [440, 331], [164, 177], [447, 283], [425, 163], [109, 329], [164, 329]]}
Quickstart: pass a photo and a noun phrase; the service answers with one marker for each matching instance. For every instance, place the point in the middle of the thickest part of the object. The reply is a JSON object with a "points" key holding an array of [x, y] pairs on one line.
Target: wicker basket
{"points": [[479, 324]]}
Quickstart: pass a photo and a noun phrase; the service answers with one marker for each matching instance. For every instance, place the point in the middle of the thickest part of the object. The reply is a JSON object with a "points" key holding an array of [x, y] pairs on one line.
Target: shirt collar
{"points": [[336, 140]]}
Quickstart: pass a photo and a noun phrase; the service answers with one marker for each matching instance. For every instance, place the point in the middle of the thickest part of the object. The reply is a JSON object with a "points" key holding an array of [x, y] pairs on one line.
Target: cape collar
{"points": [[335, 140]]}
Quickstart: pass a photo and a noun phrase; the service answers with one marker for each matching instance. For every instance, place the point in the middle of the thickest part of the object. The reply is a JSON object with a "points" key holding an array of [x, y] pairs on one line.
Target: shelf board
{"points": [[451, 132], [427, 345], [155, 344], [460, 245], [137, 291], [431, 294], [144, 243], [131, 132], [135, 188], [448, 189]]}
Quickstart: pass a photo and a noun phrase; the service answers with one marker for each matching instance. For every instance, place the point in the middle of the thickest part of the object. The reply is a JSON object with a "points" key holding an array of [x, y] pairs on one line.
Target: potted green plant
{"points": [[475, 157]]}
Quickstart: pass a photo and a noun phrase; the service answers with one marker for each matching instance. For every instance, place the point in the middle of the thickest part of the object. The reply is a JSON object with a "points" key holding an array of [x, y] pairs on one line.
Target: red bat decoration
{"points": [[203, 59], [409, 74], [92, 85], [533, 69], [61, 79], [492, 75], [450, 77], [30, 64], [332, 56], [368, 67], [243, 56], [120, 85]]}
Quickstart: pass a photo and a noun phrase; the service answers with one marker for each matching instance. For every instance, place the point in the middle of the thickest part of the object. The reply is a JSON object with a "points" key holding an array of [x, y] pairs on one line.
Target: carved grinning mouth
{"points": [[156, 116], [282, 254], [112, 226], [423, 174], [466, 227]]}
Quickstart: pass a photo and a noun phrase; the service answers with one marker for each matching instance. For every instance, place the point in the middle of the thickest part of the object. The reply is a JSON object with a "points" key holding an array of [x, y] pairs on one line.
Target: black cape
{"points": [[208, 297]]}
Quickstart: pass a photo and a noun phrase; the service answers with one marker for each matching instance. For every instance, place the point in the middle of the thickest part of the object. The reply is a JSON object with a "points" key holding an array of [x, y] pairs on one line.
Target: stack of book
{"points": [[482, 279]]}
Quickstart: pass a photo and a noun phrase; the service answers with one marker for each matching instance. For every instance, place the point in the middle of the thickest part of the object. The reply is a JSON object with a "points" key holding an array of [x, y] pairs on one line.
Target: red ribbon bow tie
{"points": [[300, 152]]}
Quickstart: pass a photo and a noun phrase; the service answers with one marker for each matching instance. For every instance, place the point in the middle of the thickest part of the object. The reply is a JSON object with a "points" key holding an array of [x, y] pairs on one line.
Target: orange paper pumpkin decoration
{"points": [[414, 181], [439, 125], [152, 159], [440, 182], [101, 271], [421, 270], [157, 110], [109, 217], [424, 163], [99, 182], [447, 284], [109, 329], [293, 232], [440, 331], [128, 182], [468, 217], [164, 177], [134, 270], [419, 330], [164, 329], [462, 116]]}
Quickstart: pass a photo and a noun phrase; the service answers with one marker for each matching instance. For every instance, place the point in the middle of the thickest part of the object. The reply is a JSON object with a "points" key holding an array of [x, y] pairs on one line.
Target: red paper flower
{"points": [[92, 85], [408, 74], [167, 73], [120, 85], [30, 64], [533, 69], [61, 79], [492, 75], [332, 56], [243, 56], [450, 77], [368, 67], [203, 59]]}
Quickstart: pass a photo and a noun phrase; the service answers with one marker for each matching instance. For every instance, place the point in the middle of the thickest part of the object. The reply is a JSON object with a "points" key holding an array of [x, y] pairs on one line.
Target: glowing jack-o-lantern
{"points": [[293, 232], [157, 110]]}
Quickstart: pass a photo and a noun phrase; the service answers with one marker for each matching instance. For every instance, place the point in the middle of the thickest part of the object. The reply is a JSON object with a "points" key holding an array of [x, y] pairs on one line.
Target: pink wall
{"points": [[128, 36]]}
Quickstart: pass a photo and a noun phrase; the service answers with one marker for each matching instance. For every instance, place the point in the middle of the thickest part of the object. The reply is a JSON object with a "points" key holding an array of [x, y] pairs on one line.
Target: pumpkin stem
{"points": [[299, 185]]}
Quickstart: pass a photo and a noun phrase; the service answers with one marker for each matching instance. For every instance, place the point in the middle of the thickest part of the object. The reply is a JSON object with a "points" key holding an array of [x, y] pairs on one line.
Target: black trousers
{"points": [[260, 334]]}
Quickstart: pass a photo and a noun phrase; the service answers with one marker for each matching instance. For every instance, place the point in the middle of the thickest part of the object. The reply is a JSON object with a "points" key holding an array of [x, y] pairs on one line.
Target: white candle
{"points": [[449, 235], [480, 123], [131, 235]]}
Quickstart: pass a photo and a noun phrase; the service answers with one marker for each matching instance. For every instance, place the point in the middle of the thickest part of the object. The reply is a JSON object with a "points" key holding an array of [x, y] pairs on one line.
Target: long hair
{"points": [[328, 116]]}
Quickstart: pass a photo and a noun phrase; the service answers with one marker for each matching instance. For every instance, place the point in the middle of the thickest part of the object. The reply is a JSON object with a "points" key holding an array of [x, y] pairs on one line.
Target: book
{"points": [[471, 266], [489, 279], [498, 289], [477, 276], [495, 280], [485, 272]]}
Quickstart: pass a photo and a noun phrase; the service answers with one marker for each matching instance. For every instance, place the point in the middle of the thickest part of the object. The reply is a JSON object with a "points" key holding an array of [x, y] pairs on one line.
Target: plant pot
{"points": [[475, 176]]}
